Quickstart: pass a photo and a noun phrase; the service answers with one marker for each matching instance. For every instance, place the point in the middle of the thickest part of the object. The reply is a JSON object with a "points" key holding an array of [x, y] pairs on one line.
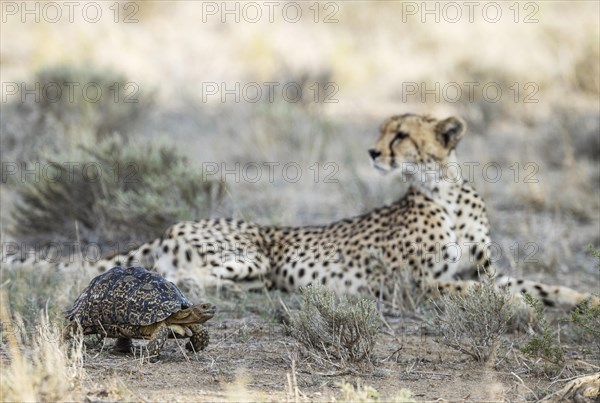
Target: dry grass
{"points": [[397, 295], [368, 394], [31, 290], [580, 389], [39, 366], [359, 394]]}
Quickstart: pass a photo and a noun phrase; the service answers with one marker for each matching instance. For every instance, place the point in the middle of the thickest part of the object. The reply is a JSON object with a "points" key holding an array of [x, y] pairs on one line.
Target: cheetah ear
{"points": [[449, 131]]}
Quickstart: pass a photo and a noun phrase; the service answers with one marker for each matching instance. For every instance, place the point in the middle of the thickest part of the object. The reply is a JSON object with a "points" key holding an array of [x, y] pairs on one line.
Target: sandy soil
{"points": [[253, 359]]}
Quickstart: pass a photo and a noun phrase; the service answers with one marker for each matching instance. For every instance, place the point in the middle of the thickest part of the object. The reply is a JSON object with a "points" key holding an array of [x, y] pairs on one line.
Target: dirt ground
{"points": [[252, 358]]}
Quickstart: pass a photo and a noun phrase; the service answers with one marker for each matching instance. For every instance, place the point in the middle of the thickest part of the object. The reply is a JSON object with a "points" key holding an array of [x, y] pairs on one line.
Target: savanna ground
{"points": [[168, 144]]}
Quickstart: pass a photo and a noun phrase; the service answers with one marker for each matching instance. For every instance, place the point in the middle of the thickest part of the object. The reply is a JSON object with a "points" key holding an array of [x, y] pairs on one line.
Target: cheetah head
{"points": [[408, 141]]}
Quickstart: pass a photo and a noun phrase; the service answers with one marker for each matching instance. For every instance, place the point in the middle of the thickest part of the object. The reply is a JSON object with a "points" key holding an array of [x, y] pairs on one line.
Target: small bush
{"points": [[543, 346], [587, 317], [336, 328], [126, 193], [474, 323]]}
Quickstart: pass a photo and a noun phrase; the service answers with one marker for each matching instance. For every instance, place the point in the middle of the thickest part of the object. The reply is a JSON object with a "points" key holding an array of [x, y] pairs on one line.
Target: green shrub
{"points": [[122, 192], [474, 323], [543, 346], [588, 316], [336, 328]]}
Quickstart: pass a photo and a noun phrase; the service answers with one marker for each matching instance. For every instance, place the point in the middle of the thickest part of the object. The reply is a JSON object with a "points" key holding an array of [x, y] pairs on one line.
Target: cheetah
{"points": [[437, 233]]}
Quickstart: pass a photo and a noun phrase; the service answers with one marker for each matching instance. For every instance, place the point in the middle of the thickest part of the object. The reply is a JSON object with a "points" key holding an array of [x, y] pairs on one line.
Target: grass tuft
{"points": [[39, 367], [368, 394], [475, 322], [336, 328]]}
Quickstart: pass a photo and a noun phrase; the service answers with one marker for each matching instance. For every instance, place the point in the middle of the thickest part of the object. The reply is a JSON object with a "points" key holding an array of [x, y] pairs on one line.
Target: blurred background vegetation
{"points": [[165, 139]]}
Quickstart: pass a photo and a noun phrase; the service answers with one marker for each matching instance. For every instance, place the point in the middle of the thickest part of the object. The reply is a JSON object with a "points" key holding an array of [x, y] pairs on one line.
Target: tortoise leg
{"points": [[157, 341], [73, 330], [94, 340], [68, 331], [123, 345], [199, 339]]}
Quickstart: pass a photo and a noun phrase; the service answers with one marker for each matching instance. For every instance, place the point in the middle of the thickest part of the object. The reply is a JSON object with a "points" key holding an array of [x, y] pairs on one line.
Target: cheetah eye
{"points": [[400, 136]]}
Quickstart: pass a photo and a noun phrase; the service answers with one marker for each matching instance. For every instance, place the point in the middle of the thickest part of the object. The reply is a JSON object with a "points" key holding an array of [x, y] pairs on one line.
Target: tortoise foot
{"points": [[157, 342], [200, 338]]}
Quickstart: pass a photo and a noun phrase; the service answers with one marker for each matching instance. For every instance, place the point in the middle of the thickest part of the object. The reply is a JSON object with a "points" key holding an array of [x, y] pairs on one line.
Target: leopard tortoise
{"points": [[134, 303]]}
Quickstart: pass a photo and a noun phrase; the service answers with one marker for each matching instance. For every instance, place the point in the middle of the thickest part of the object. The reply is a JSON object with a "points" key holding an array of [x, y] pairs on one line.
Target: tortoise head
{"points": [[198, 313]]}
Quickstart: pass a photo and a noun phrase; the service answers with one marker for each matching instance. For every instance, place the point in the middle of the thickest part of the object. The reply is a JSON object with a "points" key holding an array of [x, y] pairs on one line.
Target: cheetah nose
{"points": [[374, 153]]}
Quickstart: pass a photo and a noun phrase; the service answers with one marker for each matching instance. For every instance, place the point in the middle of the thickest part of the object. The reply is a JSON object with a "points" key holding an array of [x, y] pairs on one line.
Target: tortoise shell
{"points": [[127, 296]]}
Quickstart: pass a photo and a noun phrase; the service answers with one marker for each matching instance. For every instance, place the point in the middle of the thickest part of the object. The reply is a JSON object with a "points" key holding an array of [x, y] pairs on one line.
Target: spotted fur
{"points": [[437, 233]]}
